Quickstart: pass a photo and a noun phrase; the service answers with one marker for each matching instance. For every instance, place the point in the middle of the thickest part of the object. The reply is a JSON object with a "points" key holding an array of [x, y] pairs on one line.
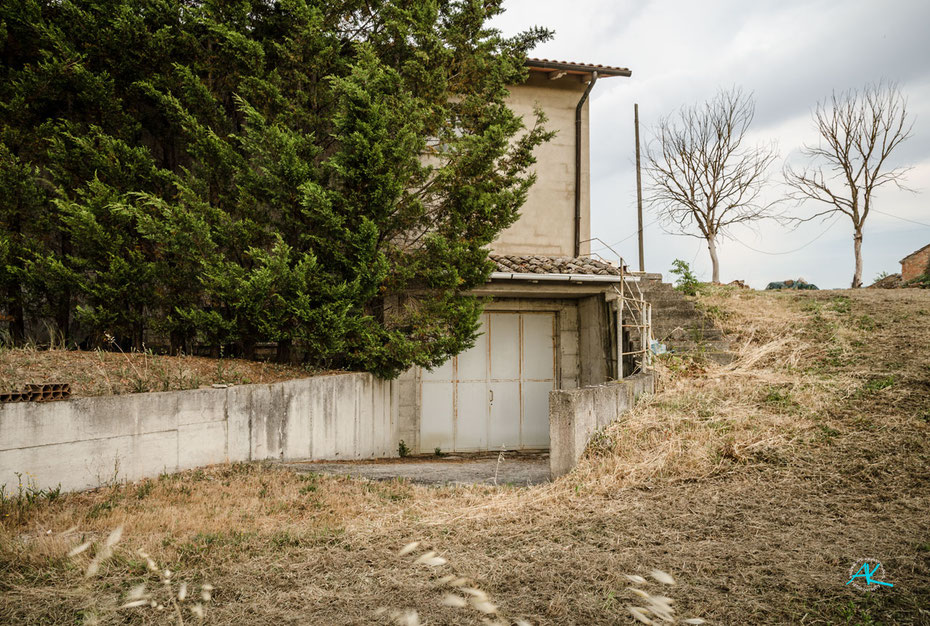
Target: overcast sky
{"points": [[790, 54]]}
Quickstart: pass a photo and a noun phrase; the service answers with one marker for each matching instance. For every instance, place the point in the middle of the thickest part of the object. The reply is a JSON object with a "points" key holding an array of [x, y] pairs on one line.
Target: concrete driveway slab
{"points": [[514, 468]]}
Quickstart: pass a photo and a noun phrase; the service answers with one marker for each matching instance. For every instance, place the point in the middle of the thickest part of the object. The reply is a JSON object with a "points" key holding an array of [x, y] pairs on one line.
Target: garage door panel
{"points": [[437, 409], [505, 416], [442, 373], [513, 359], [473, 363], [505, 346], [472, 416], [536, 414], [538, 348]]}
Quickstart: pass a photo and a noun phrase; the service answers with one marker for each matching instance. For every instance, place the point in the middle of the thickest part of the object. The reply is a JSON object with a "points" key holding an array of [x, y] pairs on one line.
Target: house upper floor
{"points": [[556, 219]]}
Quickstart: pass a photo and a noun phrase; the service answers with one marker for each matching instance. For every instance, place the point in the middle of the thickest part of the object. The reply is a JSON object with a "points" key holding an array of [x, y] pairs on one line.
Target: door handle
{"points": [[492, 395]]}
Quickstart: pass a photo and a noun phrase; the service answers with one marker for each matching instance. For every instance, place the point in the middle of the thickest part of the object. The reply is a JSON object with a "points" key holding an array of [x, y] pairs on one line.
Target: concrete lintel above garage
{"points": [[529, 289]]}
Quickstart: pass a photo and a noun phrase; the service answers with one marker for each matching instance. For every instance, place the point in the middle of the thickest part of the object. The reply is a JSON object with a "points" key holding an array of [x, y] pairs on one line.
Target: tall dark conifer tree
{"points": [[324, 175]]}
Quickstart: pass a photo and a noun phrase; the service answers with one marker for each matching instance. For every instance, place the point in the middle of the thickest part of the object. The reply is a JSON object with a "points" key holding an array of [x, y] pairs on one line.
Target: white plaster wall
{"points": [[86, 442]]}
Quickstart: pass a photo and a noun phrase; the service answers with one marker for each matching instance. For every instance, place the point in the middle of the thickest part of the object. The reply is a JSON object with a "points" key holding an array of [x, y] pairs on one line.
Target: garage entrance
{"points": [[495, 394]]}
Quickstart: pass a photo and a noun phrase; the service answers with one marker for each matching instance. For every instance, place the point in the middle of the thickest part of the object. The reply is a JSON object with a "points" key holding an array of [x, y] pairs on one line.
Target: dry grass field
{"points": [[755, 485], [101, 373]]}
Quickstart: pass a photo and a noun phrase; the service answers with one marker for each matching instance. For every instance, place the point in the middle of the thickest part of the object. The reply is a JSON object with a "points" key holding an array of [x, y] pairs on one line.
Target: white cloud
{"points": [[790, 54]]}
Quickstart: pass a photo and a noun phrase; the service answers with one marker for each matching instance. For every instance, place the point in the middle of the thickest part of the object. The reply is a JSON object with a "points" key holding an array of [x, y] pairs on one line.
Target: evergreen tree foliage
{"points": [[322, 174]]}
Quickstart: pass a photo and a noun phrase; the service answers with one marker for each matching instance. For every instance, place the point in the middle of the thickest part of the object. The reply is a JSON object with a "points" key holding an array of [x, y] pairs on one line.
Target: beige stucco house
{"points": [[551, 322]]}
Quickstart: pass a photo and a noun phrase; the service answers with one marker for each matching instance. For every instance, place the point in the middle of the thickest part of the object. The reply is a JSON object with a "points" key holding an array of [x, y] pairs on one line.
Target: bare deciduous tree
{"points": [[703, 179], [858, 131]]}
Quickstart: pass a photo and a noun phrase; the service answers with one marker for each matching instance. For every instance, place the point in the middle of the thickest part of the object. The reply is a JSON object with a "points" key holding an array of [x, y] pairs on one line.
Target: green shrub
{"points": [[686, 282]]}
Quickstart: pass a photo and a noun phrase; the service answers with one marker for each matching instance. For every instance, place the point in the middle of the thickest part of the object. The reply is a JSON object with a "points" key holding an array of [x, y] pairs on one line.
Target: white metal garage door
{"points": [[495, 394]]}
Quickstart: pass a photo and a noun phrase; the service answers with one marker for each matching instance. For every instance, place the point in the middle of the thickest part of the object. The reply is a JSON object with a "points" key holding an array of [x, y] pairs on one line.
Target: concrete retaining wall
{"points": [[576, 414], [87, 442]]}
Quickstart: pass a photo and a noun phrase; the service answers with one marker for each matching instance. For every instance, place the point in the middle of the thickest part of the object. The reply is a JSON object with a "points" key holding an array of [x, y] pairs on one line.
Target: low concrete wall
{"points": [[576, 414], [87, 442]]}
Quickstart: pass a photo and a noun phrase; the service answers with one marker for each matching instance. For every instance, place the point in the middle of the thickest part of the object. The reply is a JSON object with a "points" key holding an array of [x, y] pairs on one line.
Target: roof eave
{"points": [[575, 68], [573, 278], [918, 251]]}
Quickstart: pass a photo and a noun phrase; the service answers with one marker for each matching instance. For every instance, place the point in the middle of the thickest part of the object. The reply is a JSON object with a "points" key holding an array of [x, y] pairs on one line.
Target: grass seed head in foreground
{"points": [[164, 597], [460, 597]]}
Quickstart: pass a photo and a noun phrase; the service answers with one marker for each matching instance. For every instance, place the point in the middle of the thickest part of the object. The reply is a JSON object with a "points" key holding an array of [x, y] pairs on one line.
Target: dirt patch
{"points": [[100, 373]]}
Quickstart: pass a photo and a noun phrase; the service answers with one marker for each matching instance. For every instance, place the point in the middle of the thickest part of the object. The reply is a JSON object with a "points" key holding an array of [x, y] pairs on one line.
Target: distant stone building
{"points": [[916, 264]]}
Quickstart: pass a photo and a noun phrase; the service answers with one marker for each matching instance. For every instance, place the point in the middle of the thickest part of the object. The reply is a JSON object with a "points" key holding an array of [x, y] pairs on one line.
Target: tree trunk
{"points": [[63, 306], [712, 246], [857, 277], [14, 288], [247, 345], [138, 337], [16, 311], [283, 354], [176, 341]]}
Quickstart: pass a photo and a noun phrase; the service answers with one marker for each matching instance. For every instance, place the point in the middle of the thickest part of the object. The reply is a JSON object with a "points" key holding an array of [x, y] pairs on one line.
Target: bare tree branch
{"points": [[701, 175], [858, 131]]}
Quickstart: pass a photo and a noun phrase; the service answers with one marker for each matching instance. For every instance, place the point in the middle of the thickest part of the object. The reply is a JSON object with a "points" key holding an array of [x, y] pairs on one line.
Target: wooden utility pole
{"points": [[639, 190]]}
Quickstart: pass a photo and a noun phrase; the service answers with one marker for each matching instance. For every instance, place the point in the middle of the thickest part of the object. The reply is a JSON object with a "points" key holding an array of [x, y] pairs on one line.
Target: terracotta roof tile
{"points": [[577, 67], [536, 264]]}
